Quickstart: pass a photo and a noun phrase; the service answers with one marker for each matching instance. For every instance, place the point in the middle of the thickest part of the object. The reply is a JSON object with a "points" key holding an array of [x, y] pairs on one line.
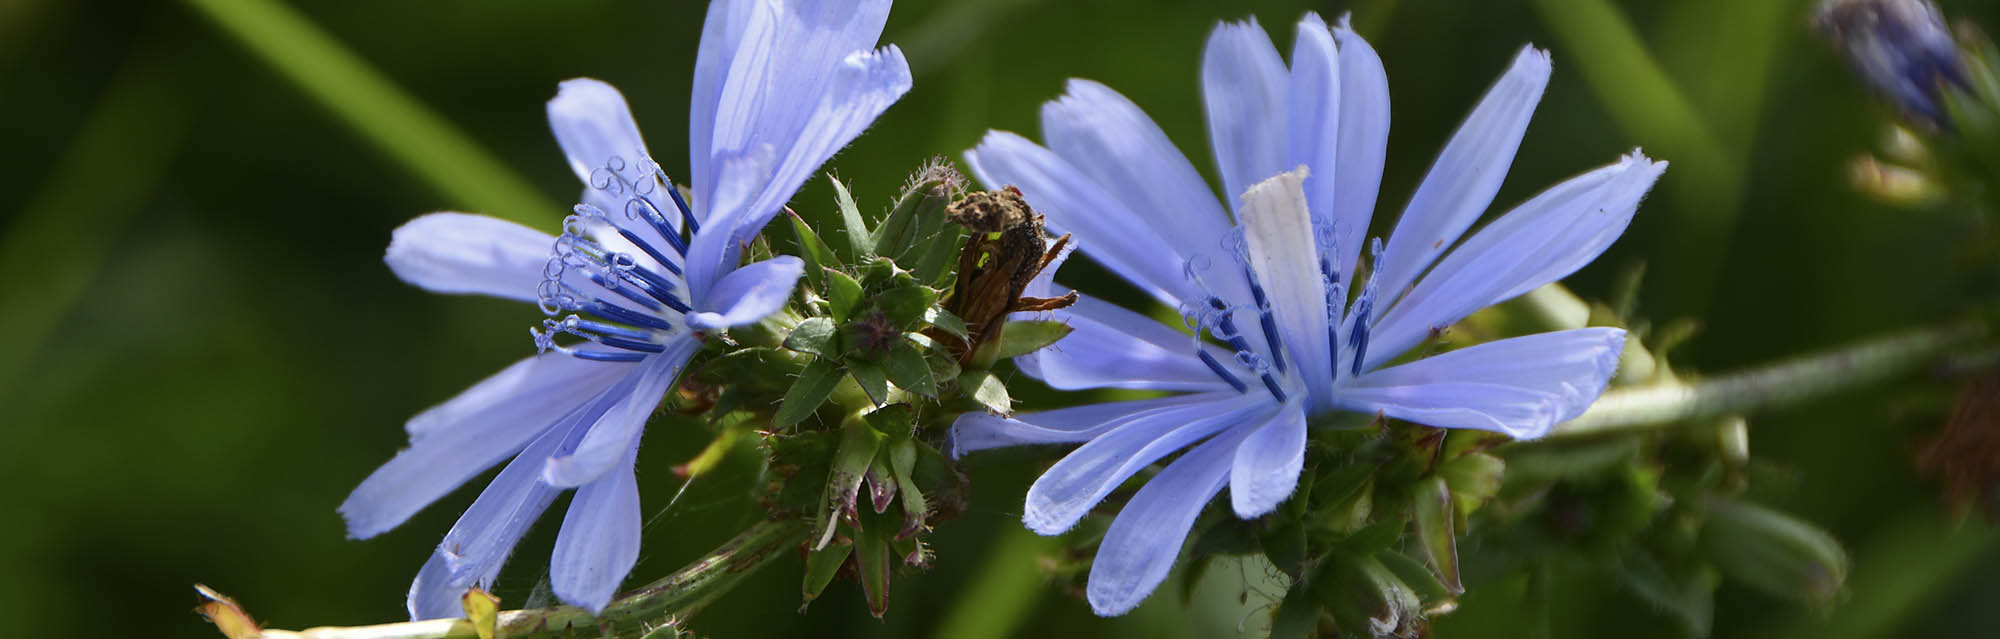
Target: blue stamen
{"points": [[1272, 384], [621, 315], [1268, 321], [618, 285], [1220, 371], [630, 345], [650, 251], [601, 356]]}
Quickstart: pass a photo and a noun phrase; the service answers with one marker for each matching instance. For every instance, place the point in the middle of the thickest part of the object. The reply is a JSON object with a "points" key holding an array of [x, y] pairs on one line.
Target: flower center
{"points": [[1214, 317], [613, 283]]}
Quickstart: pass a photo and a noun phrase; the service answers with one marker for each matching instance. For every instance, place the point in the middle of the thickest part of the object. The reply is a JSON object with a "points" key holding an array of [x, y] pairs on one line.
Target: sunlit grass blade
{"points": [[424, 143]]}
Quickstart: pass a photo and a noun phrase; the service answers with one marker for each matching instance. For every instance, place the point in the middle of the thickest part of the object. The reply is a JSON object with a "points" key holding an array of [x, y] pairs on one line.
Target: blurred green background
{"points": [[201, 351]]}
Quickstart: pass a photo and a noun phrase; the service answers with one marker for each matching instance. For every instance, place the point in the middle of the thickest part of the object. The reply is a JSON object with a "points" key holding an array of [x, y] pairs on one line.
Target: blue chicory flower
{"points": [[1901, 48], [1285, 343], [638, 273]]}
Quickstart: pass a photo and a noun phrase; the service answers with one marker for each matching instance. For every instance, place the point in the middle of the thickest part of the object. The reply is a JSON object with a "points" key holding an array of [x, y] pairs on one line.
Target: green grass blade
{"points": [[421, 141]]}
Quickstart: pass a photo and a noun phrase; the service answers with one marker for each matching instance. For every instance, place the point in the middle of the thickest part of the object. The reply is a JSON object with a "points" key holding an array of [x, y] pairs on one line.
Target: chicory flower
{"points": [[1302, 146], [637, 275]]}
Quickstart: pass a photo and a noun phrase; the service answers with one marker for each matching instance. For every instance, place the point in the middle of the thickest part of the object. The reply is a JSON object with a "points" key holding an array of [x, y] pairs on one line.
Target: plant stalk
{"points": [[1784, 383], [670, 600]]}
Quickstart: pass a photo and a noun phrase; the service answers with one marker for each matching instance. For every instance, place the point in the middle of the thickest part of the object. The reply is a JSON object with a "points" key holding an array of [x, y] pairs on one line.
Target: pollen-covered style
{"points": [[1278, 339], [636, 276]]}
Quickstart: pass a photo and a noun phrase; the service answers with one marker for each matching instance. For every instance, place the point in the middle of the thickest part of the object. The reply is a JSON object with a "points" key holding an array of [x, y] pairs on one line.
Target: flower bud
{"points": [[1901, 48], [1774, 552]]}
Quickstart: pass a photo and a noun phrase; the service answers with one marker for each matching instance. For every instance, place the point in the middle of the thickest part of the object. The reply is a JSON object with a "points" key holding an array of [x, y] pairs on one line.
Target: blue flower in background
{"points": [[636, 275], [1303, 148], [1902, 48]]}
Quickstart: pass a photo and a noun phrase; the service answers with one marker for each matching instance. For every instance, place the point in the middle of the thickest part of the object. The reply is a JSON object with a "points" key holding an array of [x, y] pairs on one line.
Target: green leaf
{"points": [[1366, 597], [814, 335], [903, 463], [945, 321], [1297, 616], [1689, 596], [987, 389], [817, 255], [1432, 505], [859, 238], [1437, 598], [905, 305], [1474, 479], [807, 392], [908, 370], [873, 557], [821, 566], [1285, 545], [872, 379], [1021, 338], [843, 295], [1373, 538], [935, 267], [1774, 552], [858, 443]]}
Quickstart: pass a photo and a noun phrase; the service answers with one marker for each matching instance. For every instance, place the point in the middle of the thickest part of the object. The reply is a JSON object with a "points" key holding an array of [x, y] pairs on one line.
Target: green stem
{"points": [[373, 106], [1783, 383], [671, 599]]}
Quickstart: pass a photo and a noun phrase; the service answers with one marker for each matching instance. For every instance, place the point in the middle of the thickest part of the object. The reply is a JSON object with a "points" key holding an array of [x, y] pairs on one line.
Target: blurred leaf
{"points": [[1432, 505], [872, 556], [1689, 598], [1437, 597], [1774, 552], [821, 566]]}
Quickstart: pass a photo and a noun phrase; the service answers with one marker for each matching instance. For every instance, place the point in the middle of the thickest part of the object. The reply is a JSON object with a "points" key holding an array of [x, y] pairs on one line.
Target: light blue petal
{"points": [[1267, 464], [1313, 116], [803, 82], [1363, 143], [761, 67], [748, 294], [599, 541], [1468, 172], [478, 544], [1070, 488], [614, 431], [595, 129], [1100, 224], [1543, 240], [980, 431], [1520, 386], [433, 595], [1110, 347], [1244, 85], [482, 426], [1279, 232], [1105, 137], [1140, 547], [465, 253]]}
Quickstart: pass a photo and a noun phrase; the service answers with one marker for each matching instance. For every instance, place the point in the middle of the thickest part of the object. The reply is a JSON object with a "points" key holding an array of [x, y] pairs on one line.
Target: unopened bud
{"points": [[1774, 552], [1901, 48]]}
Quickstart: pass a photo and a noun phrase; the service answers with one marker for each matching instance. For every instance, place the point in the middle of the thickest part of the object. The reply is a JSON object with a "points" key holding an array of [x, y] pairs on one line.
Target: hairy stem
{"points": [[1783, 383], [669, 600]]}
